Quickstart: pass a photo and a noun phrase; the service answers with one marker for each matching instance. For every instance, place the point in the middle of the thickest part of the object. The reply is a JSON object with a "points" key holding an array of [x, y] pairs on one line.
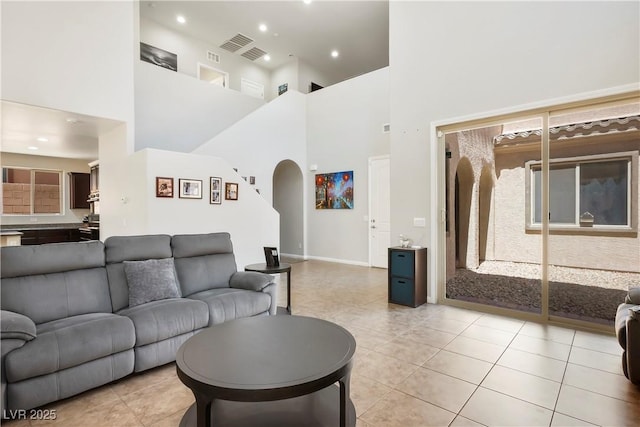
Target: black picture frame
{"points": [[215, 190], [271, 256]]}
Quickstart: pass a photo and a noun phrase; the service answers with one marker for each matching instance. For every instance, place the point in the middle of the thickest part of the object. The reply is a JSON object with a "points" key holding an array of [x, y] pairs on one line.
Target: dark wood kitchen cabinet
{"points": [[39, 236], [79, 189]]}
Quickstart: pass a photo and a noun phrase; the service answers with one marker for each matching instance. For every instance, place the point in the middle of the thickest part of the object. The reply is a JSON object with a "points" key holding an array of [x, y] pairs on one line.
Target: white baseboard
{"points": [[339, 261], [294, 256]]}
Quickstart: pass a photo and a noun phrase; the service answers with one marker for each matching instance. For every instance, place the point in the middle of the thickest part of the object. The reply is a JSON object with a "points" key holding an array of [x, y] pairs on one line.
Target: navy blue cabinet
{"points": [[408, 276]]}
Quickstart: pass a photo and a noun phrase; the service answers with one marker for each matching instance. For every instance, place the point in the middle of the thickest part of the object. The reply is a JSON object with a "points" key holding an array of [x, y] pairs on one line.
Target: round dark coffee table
{"points": [[269, 371]]}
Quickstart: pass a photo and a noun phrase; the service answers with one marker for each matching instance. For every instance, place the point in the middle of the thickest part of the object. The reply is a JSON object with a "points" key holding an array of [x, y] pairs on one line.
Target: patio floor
{"points": [[594, 301]]}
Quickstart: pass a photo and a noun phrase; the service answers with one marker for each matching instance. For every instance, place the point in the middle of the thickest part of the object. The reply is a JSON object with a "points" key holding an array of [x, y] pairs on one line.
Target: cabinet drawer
{"points": [[402, 263], [402, 291]]}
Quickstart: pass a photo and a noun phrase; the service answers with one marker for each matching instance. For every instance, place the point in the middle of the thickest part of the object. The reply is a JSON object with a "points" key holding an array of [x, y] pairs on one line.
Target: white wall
{"points": [[307, 74], [344, 128], [264, 138], [251, 221], [176, 112], [489, 56], [83, 66], [288, 73], [119, 179], [55, 163], [338, 128], [72, 56], [190, 51]]}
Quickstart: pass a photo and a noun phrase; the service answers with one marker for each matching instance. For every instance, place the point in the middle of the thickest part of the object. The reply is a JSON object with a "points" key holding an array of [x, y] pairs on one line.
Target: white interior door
{"points": [[213, 75], [379, 211], [249, 87]]}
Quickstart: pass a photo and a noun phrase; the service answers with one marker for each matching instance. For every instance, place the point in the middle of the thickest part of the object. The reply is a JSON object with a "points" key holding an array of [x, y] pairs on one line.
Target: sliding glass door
{"points": [[492, 259], [542, 212], [593, 245]]}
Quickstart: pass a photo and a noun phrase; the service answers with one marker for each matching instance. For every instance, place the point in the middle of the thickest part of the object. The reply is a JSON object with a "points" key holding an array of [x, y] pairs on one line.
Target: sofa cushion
{"points": [[47, 297], [56, 280], [70, 342], [151, 280], [159, 320], [228, 304], [130, 248], [31, 260], [190, 245], [203, 261]]}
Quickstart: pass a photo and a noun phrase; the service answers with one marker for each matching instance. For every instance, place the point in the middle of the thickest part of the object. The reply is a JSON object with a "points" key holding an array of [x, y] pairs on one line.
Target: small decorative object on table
{"points": [[404, 241], [271, 256]]}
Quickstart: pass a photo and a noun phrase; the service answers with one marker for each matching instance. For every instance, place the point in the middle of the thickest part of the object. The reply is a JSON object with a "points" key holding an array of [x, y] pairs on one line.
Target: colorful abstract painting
{"points": [[334, 190]]}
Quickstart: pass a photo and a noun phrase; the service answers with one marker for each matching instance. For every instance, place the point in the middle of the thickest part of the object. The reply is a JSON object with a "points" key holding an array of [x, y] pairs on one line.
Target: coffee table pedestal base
{"points": [[319, 409]]}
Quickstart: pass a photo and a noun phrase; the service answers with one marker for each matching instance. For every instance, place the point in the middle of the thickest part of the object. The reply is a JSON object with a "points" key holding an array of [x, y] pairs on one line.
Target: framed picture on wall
{"points": [[231, 191], [334, 190], [159, 57], [215, 190], [190, 188], [164, 187]]}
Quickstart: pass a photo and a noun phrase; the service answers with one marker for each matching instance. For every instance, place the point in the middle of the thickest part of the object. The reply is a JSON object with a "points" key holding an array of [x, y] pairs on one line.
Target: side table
{"points": [[282, 268]]}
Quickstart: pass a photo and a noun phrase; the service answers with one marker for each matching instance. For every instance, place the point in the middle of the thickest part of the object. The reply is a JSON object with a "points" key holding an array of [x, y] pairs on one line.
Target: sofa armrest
{"points": [[16, 326], [632, 352], [633, 297], [250, 280]]}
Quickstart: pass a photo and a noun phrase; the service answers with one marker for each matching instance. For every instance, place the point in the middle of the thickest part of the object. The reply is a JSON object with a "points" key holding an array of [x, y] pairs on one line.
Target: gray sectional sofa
{"points": [[79, 315], [627, 326]]}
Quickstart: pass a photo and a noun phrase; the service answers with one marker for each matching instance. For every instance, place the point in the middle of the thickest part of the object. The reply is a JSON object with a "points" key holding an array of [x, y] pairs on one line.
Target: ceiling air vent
{"points": [[213, 57], [236, 42], [386, 128], [254, 53]]}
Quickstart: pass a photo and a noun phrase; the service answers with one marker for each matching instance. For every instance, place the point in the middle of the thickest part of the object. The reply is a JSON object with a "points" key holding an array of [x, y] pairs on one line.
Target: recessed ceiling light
{"points": [[42, 139], [72, 120], [307, 1], [32, 148], [335, 53], [262, 27], [181, 19], [267, 58]]}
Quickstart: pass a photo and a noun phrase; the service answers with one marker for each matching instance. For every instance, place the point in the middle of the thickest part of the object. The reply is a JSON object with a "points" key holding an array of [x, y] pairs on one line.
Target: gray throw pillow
{"points": [[151, 280]]}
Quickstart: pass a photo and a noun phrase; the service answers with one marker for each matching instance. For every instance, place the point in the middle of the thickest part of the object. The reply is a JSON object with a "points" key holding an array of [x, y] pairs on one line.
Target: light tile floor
{"points": [[428, 366]]}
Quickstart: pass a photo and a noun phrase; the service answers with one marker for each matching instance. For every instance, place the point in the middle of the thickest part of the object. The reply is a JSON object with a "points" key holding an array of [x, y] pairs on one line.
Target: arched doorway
{"points": [[288, 201], [463, 196], [484, 207]]}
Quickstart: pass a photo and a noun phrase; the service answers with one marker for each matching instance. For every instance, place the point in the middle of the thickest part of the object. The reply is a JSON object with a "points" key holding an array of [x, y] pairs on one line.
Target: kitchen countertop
{"points": [[11, 233], [23, 227]]}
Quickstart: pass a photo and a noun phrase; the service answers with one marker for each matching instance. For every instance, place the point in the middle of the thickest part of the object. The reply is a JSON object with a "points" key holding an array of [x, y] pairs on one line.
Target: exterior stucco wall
{"points": [[606, 251], [498, 230], [474, 147]]}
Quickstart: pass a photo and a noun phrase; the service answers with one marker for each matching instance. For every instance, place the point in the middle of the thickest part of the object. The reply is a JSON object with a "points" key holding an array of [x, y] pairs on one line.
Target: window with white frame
{"points": [[584, 192]]}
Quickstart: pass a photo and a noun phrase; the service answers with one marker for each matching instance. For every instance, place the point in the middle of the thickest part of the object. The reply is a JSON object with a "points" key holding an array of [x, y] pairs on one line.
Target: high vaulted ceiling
{"points": [[357, 29]]}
